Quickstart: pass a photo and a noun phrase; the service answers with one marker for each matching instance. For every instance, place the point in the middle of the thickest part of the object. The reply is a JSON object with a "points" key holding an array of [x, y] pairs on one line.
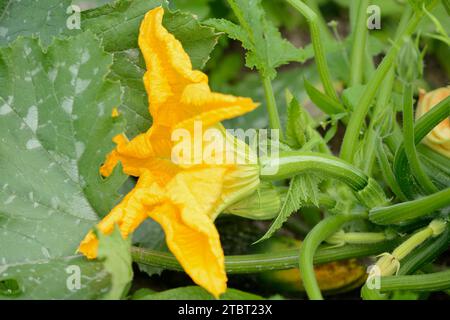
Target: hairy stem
{"points": [[359, 44], [274, 118], [318, 45], [255, 263]]}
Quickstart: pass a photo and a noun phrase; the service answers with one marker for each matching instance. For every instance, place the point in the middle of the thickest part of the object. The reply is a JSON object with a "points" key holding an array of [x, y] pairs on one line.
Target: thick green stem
{"points": [[274, 118], [411, 210], [425, 282], [386, 169], [369, 69], [376, 123], [319, 51], [318, 234], [423, 126], [355, 125], [255, 263], [325, 30], [425, 254], [359, 44], [409, 142], [292, 163], [341, 237]]}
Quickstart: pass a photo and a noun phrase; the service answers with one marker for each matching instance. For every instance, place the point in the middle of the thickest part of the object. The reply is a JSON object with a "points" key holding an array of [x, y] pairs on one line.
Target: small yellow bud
{"points": [[115, 113], [388, 264]]}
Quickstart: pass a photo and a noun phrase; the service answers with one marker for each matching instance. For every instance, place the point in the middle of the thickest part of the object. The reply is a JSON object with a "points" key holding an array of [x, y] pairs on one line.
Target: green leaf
{"points": [[323, 101], [43, 18], [308, 189], [115, 254], [266, 49], [291, 204], [200, 8], [300, 128], [54, 279], [118, 24], [198, 40], [194, 293], [295, 131], [55, 115]]}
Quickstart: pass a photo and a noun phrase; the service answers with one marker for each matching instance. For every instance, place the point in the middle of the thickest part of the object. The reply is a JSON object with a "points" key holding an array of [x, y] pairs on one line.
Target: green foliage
{"points": [[322, 101], [43, 18], [53, 141], [266, 49], [193, 293], [200, 8], [115, 254]]}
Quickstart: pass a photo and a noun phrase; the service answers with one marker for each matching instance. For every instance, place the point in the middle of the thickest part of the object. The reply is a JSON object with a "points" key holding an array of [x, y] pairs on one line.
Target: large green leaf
{"points": [[115, 253], [55, 115], [52, 278], [193, 293], [46, 18]]}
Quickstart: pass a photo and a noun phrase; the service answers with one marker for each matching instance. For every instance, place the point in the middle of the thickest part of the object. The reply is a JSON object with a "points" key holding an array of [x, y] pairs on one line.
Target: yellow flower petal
{"points": [[198, 249], [439, 138], [146, 152], [176, 93], [128, 214]]}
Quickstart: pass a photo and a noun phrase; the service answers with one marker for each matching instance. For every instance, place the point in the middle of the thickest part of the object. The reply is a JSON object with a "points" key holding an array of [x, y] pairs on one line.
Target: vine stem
{"points": [[382, 101], [387, 172], [424, 282], [274, 118], [315, 237], [410, 210], [318, 45], [254, 263], [423, 126], [409, 141], [351, 137], [291, 163], [359, 44]]}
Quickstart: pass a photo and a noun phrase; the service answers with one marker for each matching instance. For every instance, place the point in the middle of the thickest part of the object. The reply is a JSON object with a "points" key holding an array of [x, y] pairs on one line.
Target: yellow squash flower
{"points": [[439, 138], [183, 197]]}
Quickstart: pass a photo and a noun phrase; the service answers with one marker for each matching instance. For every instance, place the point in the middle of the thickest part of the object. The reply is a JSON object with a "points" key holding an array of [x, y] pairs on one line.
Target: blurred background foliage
{"points": [[226, 67]]}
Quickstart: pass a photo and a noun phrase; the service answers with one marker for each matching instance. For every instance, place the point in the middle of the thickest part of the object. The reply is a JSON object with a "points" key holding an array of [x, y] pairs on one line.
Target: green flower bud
{"points": [[263, 204]]}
